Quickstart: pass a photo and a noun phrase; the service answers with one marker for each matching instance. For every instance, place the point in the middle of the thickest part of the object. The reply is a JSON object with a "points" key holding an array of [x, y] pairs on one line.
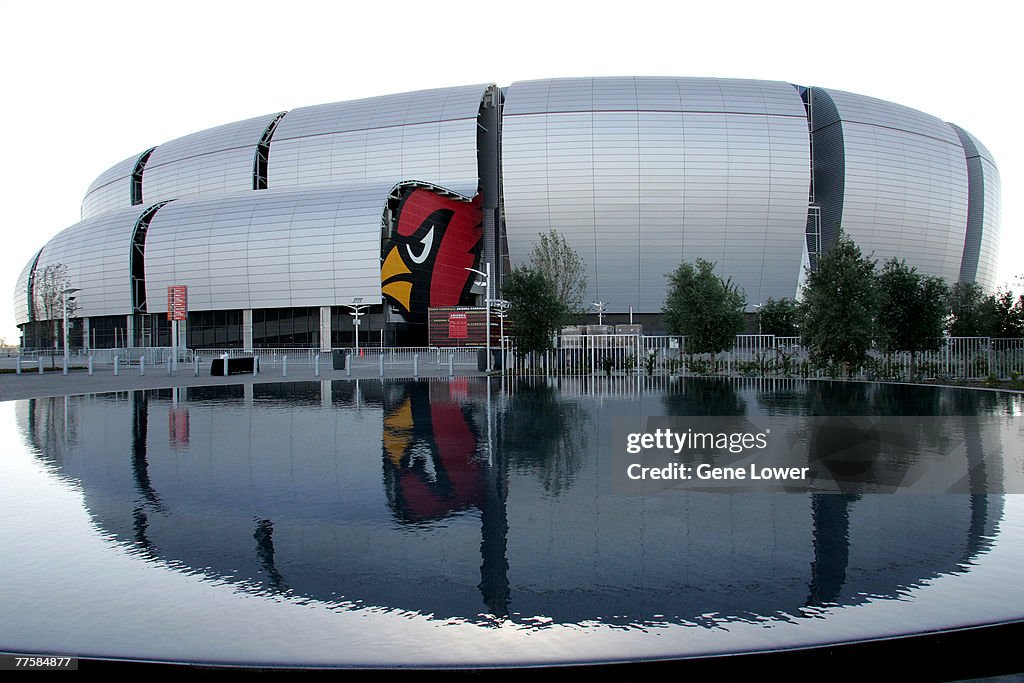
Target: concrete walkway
{"points": [[30, 384]]}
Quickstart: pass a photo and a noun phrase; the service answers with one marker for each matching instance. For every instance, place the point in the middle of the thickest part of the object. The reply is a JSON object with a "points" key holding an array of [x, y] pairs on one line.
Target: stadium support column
{"points": [[488, 161], [247, 329], [325, 328]]}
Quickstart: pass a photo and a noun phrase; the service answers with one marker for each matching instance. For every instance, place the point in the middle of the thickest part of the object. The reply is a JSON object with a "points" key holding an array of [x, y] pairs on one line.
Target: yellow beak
{"points": [[394, 267]]}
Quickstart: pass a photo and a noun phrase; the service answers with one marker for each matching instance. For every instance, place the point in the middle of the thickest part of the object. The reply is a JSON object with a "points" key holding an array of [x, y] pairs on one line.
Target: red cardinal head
{"points": [[435, 240]]}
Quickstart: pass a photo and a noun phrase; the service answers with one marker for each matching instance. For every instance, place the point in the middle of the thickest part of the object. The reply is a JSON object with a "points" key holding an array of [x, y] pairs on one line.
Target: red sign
{"points": [[458, 325], [177, 302]]}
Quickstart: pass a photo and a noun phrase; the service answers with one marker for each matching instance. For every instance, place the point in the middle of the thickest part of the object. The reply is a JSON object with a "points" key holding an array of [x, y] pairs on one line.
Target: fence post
{"points": [[284, 365], [316, 365], [117, 361], [348, 364], [415, 365], [90, 365], [451, 364]]}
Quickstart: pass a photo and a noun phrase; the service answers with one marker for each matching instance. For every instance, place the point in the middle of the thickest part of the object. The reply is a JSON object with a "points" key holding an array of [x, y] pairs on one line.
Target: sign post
{"points": [[177, 309]]}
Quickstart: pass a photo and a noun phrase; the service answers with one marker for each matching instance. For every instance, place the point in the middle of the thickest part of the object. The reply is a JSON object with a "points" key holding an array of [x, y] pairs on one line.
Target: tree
{"points": [[535, 310], [553, 257], [1007, 315], [49, 286], [705, 308], [780, 317], [840, 300], [911, 309], [970, 311]]}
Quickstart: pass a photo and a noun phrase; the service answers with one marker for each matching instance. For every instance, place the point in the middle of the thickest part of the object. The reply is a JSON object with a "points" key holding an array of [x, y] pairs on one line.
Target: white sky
{"points": [[85, 85]]}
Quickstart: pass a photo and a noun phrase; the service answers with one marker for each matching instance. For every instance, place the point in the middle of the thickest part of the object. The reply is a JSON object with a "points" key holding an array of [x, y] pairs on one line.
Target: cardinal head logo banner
{"points": [[425, 261]]}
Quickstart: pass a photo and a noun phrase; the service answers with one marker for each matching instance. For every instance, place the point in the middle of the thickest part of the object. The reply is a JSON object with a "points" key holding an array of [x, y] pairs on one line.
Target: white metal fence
{"points": [[957, 358]]}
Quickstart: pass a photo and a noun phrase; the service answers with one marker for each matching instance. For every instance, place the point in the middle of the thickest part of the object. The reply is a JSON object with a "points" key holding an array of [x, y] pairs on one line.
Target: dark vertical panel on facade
{"points": [[140, 167], [829, 159], [975, 207]]}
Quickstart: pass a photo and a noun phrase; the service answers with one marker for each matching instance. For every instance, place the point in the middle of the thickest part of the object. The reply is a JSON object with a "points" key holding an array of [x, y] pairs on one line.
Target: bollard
{"points": [[451, 364], [116, 368], [195, 365], [41, 370], [142, 366], [348, 364], [17, 365], [316, 365], [380, 362], [168, 367], [255, 365], [415, 365], [284, 366], [90, 365], [225, 357]]}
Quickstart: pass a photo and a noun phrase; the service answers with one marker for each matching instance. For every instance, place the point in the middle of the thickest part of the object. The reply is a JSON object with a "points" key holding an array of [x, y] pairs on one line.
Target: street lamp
{"points": [[64, 294], [758, 314], [600, 311], [487, 301], [357, 311]]}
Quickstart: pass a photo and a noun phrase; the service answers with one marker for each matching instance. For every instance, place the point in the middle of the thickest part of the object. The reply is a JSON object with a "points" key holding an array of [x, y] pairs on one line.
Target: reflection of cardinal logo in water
{"points": [[435, 240], [430, 463]]}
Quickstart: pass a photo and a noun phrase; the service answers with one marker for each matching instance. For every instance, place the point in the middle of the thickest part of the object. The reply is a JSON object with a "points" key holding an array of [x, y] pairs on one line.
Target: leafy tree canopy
{"points": [[780, 317], [911, 308], [705, 308], [553, 257], [840, 300]]}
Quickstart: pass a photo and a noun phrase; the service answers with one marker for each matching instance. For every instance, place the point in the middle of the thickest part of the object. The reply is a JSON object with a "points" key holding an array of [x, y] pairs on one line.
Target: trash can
{"points": [[338, 359]]}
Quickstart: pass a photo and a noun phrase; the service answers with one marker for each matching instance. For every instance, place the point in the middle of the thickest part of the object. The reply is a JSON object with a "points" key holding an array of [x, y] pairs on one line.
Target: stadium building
{"points": [[279, 224]]}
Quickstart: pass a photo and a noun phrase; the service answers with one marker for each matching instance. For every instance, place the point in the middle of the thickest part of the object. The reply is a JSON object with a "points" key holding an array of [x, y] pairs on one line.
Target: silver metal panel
{"points": [[738, 96], [428, 135], [905, 185], [269, 249], [97, 253], [652, 175], [21, 312], [111, 190], [213, 161], [981, 244]]}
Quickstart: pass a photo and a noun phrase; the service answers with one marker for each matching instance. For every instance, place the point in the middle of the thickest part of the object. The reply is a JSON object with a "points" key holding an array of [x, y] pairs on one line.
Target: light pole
{"points": [[757, 312], [357, 312], [64, 294], [502, 311], [487, 302], [600, 311]]}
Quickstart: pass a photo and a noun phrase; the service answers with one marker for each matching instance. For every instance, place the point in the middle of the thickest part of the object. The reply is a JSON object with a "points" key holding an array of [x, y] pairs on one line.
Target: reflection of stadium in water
{"points": [[389, 495]]}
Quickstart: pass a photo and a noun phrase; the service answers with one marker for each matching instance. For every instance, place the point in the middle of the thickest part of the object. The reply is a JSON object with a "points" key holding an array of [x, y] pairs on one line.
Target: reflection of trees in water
{"points": [[543, 435], [703, 396]]}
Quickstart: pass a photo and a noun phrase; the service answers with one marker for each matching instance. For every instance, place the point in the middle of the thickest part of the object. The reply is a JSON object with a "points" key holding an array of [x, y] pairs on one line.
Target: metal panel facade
{"points": [[904, 184], [981, 245], [21, 312], [268, 249], [111, 190], [97, 253], [214, 161], [640, 174], [428, 135]]}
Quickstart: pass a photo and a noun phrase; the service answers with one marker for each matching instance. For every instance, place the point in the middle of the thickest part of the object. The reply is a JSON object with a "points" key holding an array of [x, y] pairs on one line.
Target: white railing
{"points": [[957, 358]]}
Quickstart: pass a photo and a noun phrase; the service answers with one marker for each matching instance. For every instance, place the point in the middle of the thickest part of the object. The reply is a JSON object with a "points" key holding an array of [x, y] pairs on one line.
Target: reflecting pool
{"points": [[476, 522]]}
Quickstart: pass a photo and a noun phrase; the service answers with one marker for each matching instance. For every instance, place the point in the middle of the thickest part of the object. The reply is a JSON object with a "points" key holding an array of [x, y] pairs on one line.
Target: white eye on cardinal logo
{"points": [[427, 242]]}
